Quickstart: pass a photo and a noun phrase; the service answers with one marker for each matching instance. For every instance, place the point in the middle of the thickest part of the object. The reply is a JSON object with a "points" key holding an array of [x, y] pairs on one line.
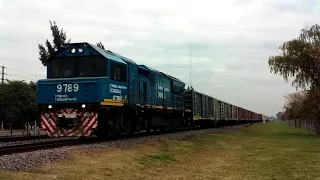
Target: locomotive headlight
{"points": [[73, 50], [83, 105], [80, 50], [50, 106]]}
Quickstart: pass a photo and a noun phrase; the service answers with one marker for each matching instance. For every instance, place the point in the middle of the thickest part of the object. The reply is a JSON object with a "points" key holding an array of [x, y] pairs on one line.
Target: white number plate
{"points": [[67, 88]]}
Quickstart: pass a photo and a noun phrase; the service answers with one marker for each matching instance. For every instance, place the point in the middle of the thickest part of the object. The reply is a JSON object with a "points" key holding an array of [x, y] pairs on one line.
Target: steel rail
{"points": [[21, 138], [11, 149]]}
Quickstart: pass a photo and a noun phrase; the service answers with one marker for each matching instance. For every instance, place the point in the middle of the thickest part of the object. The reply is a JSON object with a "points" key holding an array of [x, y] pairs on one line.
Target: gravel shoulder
{"points": [[32, 160]]}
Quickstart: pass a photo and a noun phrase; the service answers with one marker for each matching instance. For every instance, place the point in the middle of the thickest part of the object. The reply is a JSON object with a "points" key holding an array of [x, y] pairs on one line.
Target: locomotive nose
{"points": [[69, 122], [69, 91]]}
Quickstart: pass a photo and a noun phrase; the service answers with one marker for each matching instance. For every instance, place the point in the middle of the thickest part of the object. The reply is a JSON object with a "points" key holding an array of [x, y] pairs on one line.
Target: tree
{"points": [[59, 39], [279, 115], [311, 105], [294, 105], [18, 101], [100, 45], [34, 86], [300, 58], [303, 110]]}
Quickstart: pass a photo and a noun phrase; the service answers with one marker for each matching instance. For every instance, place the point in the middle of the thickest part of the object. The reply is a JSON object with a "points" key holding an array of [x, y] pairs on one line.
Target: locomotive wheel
{"points": [[127, 124], [113, 126], [162, 129]]}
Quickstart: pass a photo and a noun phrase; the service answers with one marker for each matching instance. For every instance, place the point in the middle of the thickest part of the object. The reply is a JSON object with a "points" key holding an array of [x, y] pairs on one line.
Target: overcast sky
{"points": [[231, 39]]}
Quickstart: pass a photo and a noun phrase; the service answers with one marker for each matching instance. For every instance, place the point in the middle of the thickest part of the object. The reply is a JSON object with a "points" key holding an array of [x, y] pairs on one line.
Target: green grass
{"points": [[261, 152], [155, 157]]}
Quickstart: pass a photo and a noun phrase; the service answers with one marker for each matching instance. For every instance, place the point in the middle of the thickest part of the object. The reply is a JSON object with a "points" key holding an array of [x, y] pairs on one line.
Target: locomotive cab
{"points": [[80, 78]]}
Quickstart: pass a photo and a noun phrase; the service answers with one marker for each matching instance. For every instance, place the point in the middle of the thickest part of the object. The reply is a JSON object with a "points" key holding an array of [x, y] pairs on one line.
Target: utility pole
{"points": [[2, 75], [2, 82], [190, 69]]}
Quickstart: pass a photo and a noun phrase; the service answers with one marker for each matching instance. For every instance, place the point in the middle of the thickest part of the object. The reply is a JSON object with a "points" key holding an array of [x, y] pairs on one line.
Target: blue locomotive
{"points": [[89, 91]]}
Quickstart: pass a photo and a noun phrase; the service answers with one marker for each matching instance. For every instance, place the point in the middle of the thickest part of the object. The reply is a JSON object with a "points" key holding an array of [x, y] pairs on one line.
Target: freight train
{"points": [[90, 91]]}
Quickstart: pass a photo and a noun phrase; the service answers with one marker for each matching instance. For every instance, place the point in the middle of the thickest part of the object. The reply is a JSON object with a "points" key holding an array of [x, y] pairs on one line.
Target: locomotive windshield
{"points": [[77, 66]]}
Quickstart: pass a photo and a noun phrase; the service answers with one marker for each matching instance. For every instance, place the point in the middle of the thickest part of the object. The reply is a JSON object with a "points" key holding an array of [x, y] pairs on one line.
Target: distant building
{"points": [[271, 118]]}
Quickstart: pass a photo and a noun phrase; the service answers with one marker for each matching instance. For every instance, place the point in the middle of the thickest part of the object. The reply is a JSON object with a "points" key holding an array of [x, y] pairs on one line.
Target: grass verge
{"points": [[261, 152]]}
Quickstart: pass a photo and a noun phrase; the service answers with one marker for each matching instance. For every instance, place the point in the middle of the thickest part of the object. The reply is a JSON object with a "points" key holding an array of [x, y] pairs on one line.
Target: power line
{"points": [[19, 74], [21, 77], [23, 72]]}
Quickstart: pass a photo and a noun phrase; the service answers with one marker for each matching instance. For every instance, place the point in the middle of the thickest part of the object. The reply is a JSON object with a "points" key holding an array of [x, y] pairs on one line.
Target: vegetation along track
{"points": [[11, 149]]}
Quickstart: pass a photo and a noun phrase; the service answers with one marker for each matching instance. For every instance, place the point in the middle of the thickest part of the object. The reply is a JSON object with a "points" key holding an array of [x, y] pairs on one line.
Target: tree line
{"points": [[299, 59], [18, 103]]}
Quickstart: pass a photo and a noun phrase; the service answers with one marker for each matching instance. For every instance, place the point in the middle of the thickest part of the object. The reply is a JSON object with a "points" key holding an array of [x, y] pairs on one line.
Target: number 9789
{"points": [[67, 88]]}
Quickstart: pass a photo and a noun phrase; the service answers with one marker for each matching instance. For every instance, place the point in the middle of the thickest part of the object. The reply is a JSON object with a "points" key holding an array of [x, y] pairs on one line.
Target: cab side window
{"points": [[118, 72]]}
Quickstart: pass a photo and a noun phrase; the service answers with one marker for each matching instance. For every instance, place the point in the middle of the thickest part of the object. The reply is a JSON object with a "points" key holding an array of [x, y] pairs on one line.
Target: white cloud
{"points": [[231, 40]]}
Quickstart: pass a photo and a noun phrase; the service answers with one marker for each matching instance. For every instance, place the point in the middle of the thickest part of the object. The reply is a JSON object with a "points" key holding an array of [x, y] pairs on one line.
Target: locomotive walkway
{"points": [[260, 151]]}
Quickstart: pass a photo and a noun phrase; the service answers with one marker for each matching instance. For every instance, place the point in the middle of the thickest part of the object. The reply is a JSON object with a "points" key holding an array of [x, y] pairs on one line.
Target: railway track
{"points": [[27, 147], [21, 138], [5, 150], [11, 149]]}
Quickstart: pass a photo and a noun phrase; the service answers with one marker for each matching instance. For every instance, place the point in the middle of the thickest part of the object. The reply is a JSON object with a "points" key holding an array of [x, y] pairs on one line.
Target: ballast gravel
{"points": [[132, 142], [30, 160]]}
